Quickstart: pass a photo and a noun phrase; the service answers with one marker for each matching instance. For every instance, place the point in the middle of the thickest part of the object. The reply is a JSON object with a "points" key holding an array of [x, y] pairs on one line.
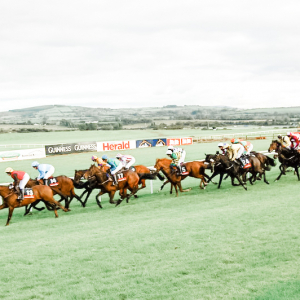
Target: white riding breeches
{"points": [[182, 158], [240, 152], [24, 181], [130, 163], [250, 148], [117, 169], [49, 173]]}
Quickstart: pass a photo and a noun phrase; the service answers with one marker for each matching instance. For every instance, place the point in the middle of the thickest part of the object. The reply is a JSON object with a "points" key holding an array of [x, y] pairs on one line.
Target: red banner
{"points": [[187, 141], [179, 141]]}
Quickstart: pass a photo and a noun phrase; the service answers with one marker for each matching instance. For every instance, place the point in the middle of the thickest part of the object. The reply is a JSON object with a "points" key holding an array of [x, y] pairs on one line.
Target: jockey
{"points": [[20, 180], [175, 159], [247, 145], [223, 147], [115, 167], [126, 160], [284, 141], [98, 160], [294, 140], [180, 153], [45, 171], [236, 151]]}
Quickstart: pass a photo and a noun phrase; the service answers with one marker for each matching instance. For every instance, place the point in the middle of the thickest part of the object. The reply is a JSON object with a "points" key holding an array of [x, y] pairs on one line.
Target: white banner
{"points": [[22, 154], [119, 145]]}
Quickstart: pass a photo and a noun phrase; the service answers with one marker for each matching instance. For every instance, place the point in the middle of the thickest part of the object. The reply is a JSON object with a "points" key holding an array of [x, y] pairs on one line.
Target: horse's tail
{"points": [[270, 161], [79, 184], [160, 177], [147, 176]]}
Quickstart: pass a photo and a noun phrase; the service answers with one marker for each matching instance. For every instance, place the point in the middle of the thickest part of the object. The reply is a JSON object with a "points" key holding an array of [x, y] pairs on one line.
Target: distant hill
{"points": [[109, 118]]}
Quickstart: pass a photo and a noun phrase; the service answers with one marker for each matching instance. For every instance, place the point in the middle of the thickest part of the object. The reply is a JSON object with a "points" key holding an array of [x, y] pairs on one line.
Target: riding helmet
{"points": [[9, 170], [104, 156], [169, 152], [35, 164]]}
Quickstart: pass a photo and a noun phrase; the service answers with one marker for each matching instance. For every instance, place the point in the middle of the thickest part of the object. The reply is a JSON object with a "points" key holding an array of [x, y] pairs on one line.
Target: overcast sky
{"points": [[120, 53]]}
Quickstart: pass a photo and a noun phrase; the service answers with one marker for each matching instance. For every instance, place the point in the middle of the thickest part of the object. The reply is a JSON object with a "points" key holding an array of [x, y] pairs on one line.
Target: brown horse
{"points": [[287, 158], [40, 192], [65, 189], [194, 168], [131, 181]]}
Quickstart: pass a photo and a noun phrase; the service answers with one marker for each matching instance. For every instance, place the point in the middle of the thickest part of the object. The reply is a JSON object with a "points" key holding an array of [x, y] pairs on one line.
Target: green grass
{"points": [[205, 244]]}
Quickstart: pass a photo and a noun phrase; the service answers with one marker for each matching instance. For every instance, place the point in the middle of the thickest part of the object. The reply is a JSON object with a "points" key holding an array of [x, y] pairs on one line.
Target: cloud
{"points": [[136, 53]]}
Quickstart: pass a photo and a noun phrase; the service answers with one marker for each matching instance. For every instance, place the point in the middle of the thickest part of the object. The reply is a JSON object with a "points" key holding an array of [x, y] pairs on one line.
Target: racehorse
{"points": [[84, 185], [195, 169], [216, 168], [287, 158], [65, 189], [40, 192], [235, 171], [129, 181], [266, 161]]}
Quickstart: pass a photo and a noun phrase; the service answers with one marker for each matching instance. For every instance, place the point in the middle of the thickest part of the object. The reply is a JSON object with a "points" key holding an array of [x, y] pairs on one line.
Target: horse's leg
{"points": [[282, 172], [88, 191], [240, 181], [10, 212], [62, 195], [167, 181], [111, 197], [180, 188], [3, 206], [297, 172], [73, 195], [220, 180], [97, 198], [211, 177], [232, 181], [55, 203], [265, 179]]}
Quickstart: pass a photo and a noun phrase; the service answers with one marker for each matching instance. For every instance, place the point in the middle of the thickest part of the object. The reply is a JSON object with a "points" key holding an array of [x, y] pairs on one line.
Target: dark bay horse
{"points": [[194, 168], [40, 192], [130, 182], [287, 158]]}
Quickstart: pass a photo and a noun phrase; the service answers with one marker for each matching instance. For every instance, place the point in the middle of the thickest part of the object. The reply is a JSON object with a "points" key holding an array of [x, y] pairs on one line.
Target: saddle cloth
{"points": [[52, 181], [28, 193]]}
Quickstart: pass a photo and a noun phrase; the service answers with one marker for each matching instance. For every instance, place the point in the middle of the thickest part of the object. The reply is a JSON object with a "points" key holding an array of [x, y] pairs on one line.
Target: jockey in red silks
{"points": [[294, 140]]}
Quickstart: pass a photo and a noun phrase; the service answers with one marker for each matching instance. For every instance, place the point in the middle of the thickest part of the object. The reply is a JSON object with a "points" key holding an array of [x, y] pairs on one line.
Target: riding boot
{"points": [[45, 181], [115, 182], [21, 197], [178, 170]]}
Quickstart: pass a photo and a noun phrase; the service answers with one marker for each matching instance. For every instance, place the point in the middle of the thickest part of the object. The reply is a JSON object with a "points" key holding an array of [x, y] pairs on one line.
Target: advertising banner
{"points": [[174, 142], [151, 143], [180, 141], [187, 141], [71, 148], [22, 154], [115, 145]]}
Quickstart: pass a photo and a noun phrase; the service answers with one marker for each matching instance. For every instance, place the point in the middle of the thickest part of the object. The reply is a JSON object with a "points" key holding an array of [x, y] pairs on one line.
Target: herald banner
{"points": [[151, 143], [115, 145], [22, 154]]}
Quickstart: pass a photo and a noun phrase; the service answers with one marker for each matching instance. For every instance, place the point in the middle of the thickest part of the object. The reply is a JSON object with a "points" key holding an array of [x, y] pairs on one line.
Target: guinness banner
{"points": [[71, 148]]}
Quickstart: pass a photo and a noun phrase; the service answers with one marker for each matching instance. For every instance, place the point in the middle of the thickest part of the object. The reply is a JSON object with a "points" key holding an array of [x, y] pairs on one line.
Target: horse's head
{"points": [[78, 175], [274, 146]]}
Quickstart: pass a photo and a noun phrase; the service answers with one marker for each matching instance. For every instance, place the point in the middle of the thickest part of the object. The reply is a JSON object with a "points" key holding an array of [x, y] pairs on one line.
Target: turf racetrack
{"points": [[205, 244]]}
